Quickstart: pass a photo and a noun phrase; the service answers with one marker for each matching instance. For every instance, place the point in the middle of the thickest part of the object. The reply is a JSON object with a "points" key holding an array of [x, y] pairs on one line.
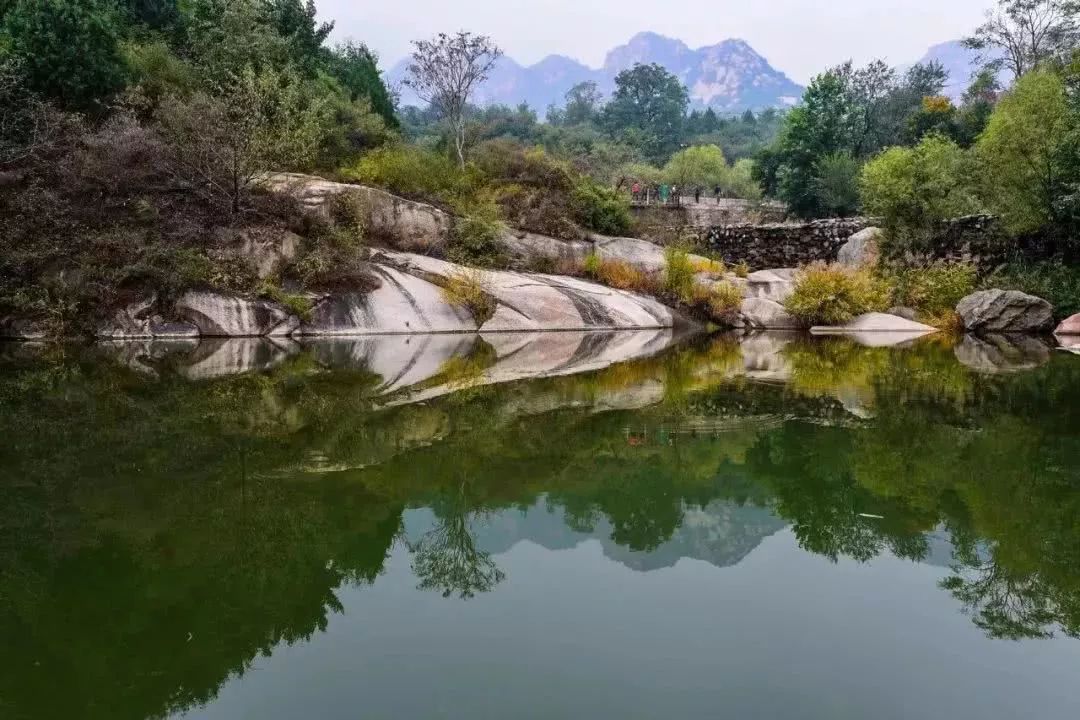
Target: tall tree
{"points": [[582, 103], [651, 103], [1026, 151], [357, 68], [1021, 34], [296, 22], [445, 70], [67, 49]]}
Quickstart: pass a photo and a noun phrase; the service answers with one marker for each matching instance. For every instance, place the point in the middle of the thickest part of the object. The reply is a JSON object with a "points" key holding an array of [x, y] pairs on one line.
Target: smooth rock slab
{"points": [[1005, 311], [875, 322], [217, 315], [1070, 326]]}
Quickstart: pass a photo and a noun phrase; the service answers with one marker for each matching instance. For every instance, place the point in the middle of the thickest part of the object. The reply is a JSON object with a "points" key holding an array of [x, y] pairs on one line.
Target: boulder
{"points": [[904, 312], [776, 285], [1069, 326], [997, 354], [404, 224], [266, 249], [1005, 311], [762, 314], [861, 249], [217, 315]]}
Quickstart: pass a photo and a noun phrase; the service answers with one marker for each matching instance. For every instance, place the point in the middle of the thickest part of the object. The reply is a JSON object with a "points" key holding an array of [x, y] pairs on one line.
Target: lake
{"points": [[626, 525]]}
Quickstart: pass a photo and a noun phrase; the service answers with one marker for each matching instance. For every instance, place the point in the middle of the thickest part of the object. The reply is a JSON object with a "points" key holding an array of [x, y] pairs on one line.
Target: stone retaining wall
{"points": [[782, 245]]}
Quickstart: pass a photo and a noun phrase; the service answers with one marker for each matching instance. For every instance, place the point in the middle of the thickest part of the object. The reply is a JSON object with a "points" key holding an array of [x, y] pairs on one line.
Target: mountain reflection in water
{"points": [[175, 516]]}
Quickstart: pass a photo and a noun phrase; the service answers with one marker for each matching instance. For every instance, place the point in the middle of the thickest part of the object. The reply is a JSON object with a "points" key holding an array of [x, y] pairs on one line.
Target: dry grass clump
{"points": [[833, 294], [742, 269], [618, 274], [713, 268], [718, 302], [468, 289]]}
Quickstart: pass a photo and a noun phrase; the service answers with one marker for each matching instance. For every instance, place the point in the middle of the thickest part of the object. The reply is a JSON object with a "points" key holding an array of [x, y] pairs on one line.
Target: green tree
{"points": [[836, 183], [699, 166], [295, 22], [914, 188], [68, 49], [1025, 152], [261, 123], [649, 105], [976, 106], [357, 69], [819, 127], [583, 103]]}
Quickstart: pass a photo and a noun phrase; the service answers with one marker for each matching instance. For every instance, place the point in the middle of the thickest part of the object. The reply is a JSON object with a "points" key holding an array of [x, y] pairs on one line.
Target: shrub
{"points": [[601, 208], [467, 289], [836, 182], [591, 265], [1055, 282], [413, 172], [476, 238], [678, 274], [914, 188], [742, 269], [718, 301], [934, 290], [296, 303], [832, 294]]}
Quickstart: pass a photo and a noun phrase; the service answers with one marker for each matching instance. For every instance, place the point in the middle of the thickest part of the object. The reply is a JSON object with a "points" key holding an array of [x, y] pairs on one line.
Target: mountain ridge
{"points": [[729, 76]]}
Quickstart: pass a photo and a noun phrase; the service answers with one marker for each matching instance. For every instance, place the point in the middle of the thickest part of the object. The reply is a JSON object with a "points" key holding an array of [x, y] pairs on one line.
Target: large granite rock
{"points": [[266, 249], [996, 354], [776, 285], [1005, 311], [405, 224], [1069, 326], [217, 315], [861, 249], [531, 302], [403, 303], [762, 314]]}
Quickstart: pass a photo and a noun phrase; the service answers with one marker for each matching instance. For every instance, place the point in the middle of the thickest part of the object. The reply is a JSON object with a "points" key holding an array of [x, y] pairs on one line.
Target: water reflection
{"points": [[169, 514]]}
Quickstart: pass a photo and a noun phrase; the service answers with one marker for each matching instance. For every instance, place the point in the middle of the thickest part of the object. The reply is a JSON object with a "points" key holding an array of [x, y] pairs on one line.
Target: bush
{"points": [[476, 238], [412, 172], [713, 268], [742, 269], [601, 209], [1055, 282], [934, 290], [678, 274], [832, 294], [836, 182], [717, 302], [915, 188], [467, 289], [617, 274]]}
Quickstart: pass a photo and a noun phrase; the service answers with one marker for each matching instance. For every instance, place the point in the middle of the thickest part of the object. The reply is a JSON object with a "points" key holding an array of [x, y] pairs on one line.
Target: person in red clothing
{"points": [[635, 191]]}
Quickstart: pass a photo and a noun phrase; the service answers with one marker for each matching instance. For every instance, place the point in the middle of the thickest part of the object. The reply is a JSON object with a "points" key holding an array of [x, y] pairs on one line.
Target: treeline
{"points": [[267, 60], [875, 141]]}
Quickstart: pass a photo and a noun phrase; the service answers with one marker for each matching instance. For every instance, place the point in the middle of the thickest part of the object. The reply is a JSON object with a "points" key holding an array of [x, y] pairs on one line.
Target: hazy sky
{"points": [[799, 37]]}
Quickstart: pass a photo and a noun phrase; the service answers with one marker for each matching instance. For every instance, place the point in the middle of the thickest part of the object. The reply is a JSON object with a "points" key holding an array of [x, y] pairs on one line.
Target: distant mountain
{"points": [[961, 65], [729, 76]]}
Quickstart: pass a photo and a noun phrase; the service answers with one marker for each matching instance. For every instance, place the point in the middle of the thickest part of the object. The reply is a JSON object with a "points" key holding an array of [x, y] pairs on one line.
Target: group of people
{"points": [[664, 194]]}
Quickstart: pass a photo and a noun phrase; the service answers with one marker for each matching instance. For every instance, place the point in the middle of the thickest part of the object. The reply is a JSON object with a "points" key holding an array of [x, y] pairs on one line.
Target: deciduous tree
{"points": [[444, 72]]}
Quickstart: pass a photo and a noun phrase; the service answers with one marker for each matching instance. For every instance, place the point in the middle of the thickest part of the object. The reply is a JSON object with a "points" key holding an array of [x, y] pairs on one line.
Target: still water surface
{"points": [[524, 527]]}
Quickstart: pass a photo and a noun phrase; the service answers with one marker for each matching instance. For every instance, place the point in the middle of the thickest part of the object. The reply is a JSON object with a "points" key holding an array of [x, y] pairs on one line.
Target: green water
{"points": [[398, 528]]}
